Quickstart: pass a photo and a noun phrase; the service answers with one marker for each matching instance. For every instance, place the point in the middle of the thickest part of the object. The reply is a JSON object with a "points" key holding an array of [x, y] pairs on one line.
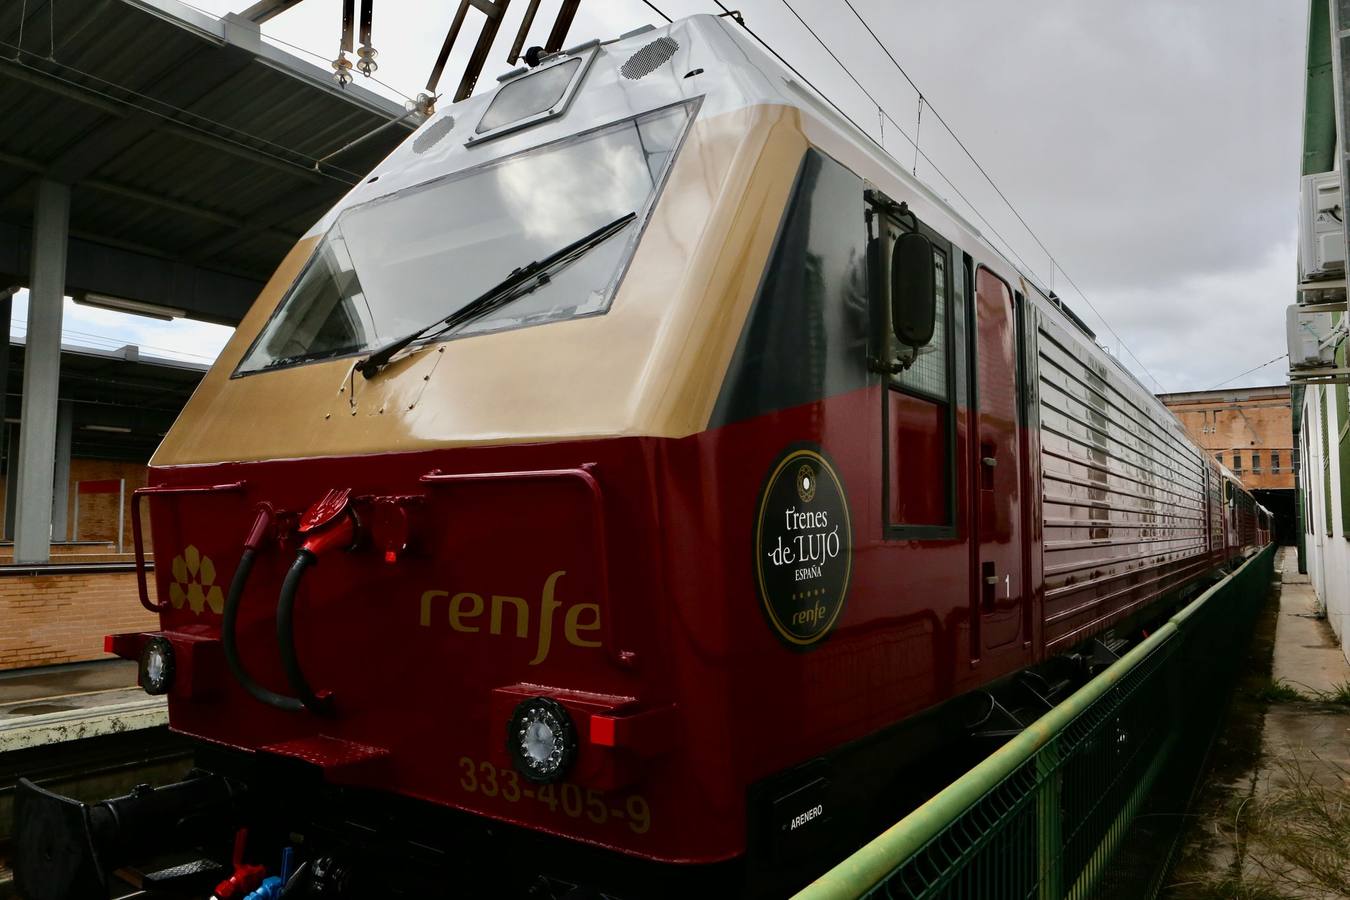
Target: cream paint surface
{"points": [[653, 365]]}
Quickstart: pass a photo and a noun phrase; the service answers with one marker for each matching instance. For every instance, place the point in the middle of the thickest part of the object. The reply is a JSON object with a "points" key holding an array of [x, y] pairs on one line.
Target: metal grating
{"points": [[649, 58]]}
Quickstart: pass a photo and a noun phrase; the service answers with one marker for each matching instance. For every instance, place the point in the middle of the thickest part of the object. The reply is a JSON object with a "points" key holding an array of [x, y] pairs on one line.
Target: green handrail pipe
{"points": [[874, 861]]}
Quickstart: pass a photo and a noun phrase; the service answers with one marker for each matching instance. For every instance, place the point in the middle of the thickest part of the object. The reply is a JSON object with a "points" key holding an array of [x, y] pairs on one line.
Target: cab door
{"points": [[998, 513]]}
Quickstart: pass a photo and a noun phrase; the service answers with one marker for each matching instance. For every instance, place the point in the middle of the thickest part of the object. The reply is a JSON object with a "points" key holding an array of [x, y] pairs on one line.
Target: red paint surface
{"points": [[657, 534]]}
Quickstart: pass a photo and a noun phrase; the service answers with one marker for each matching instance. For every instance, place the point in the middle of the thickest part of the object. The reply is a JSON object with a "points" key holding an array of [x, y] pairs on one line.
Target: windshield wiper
{"points": [[520, 282]]}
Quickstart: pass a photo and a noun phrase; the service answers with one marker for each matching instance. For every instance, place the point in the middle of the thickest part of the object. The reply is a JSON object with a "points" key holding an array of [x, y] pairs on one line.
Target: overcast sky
{"points": [[1152, 145]]}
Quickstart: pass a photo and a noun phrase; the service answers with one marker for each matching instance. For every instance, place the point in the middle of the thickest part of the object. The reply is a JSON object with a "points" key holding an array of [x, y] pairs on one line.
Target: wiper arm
{"points": [[520, 282]]}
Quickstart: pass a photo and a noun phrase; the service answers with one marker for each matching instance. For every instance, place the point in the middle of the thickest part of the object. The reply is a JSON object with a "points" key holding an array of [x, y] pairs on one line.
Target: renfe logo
{"points": [[465, 612]]}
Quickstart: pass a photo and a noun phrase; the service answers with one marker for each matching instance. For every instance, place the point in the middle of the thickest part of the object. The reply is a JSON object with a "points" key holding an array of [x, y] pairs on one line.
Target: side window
{"points": [[919, 409]]}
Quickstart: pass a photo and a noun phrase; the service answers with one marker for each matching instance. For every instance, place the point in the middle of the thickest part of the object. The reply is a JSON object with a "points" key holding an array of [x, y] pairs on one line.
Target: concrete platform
{"points": [[57, 704], [1306, 653], [1273, 820]]}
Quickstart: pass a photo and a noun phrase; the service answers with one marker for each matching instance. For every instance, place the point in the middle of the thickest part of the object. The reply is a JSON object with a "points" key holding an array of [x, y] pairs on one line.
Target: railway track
{"points": [[91, 768]]}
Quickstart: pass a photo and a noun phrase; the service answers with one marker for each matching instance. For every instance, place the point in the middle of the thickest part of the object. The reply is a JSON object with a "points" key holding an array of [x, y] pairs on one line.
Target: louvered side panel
{"points": [[1123, 492]]}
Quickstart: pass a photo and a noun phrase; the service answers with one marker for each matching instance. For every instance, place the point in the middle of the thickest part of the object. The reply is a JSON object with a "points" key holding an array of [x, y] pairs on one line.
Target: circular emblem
{"points": [[803, 547], [806, 482]]}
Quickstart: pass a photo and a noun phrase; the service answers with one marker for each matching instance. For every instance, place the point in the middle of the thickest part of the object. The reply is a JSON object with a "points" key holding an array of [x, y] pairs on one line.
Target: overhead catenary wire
{"points": [[659, 12], [102, 342], [1054, 263], [1269, 362], [1011, 252]]}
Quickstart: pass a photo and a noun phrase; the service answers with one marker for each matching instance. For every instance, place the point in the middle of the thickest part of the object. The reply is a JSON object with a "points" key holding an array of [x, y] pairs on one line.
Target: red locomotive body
{"points": [[731, 527]]}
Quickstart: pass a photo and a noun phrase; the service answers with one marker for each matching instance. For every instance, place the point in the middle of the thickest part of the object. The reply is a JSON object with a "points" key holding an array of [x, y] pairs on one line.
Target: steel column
{"points": [[41, 374]]}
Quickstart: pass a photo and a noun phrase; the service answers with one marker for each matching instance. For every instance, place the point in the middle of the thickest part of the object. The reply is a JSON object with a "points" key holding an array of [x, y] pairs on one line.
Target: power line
{"points": [[659, 12], [881, 110], [1250, 371], [102, 342], [1054, 263]]}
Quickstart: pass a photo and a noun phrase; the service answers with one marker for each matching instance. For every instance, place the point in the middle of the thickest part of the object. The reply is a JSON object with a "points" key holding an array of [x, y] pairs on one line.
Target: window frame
{"points": [[879, 207], [644, 217]]}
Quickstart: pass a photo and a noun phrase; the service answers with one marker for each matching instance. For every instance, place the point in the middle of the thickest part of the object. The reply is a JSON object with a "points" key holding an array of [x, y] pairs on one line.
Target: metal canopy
{"points": [[128, 397], [190, 144]]}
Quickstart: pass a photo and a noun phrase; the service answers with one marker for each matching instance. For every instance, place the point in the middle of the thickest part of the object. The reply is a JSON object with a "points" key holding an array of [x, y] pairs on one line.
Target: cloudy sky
{"points": [[1152, 145]]}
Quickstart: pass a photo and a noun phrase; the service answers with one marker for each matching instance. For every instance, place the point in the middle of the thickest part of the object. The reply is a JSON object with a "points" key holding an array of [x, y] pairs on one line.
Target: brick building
{"points": [[1249, 430], [114, 408]]}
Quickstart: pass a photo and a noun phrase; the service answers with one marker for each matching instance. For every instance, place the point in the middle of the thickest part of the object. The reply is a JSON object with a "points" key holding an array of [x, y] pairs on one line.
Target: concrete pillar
{"points": [[10, 447], [11, 476], [41, 374], [65, 422]]}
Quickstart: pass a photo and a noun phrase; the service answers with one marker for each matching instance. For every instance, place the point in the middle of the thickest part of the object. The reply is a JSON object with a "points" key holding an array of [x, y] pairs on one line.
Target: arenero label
{"points": [[803, 547]]}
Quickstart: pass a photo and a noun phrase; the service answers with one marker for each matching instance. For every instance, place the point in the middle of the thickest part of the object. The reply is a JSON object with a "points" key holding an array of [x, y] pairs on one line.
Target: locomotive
{"points": [[619, 492]]}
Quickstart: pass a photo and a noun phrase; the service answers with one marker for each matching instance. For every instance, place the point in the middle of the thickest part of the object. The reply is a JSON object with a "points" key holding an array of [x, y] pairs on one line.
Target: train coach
{"points": [[622, 490]]}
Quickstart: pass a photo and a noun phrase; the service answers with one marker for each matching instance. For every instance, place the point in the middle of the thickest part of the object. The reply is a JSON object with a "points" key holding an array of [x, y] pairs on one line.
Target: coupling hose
{"points": [[231, 644], [315, 703]]}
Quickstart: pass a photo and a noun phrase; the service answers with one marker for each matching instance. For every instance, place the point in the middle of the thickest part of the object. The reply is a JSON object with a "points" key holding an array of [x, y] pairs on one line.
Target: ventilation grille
{"points": [[649, 58], [433, 134]]}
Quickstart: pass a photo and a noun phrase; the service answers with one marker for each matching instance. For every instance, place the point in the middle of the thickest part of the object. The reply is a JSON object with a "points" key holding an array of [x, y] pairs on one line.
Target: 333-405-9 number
{"points": [[575, 802]]}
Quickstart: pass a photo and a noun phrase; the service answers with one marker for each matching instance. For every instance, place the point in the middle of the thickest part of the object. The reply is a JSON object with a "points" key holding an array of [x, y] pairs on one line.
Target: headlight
{"points": [[542, 740], [157, 665]]}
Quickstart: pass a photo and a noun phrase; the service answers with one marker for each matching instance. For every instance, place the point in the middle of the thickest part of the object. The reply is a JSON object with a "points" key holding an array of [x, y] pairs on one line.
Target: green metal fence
{"points": [[1087, 801]]}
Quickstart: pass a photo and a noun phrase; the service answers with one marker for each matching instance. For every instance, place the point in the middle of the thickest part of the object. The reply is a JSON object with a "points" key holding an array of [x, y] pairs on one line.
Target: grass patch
{"points": [[1231, 889], [1292, 840], [1299, 834], [1339, 694], [1277, 690]]}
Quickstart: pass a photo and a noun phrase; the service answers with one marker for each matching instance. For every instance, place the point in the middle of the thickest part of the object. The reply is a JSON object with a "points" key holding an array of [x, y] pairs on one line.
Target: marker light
{"points": [[157, 665], [542, 740]]}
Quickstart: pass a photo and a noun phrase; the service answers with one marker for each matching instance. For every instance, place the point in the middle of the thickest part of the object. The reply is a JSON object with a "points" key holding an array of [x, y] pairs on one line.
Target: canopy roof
{"points": [[191, 145]]}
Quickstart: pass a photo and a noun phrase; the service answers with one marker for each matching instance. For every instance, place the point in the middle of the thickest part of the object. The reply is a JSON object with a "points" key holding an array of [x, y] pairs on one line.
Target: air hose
{"points": [[231, 644], [286, 635]]}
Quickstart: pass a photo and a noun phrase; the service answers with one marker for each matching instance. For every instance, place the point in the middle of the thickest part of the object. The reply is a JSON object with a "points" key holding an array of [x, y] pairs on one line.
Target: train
{"points": [[624, 491]]}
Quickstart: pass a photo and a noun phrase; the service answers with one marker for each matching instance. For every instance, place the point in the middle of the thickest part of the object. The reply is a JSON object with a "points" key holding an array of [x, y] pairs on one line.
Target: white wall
{"points": [[1328, 555]]}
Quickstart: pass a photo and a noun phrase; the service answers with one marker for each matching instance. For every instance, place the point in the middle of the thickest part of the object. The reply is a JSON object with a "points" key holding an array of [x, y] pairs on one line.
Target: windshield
{"points": [[392, 265]]}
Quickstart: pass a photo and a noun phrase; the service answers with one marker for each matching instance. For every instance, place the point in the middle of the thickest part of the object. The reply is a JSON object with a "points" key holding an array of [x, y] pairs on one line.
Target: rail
{"points": [[1050, 813]]}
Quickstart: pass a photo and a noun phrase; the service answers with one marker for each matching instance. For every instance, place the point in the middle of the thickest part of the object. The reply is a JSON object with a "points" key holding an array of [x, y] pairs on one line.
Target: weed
{"points": [[1277, 691], [1338, 694]]}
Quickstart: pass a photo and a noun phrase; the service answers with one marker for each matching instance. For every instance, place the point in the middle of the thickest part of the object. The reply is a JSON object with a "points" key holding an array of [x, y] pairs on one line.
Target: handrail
{"points": [[582, 473], [884, 854], [138, 541]]}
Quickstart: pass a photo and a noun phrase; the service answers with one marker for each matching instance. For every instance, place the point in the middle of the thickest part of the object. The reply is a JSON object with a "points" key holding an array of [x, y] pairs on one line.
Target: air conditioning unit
{"points": [[1311, 344], [1321, 235]]}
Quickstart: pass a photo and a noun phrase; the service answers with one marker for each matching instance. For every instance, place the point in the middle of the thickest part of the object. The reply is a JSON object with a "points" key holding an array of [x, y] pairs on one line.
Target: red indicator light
{"points": [[602, 731], [390, 556]]}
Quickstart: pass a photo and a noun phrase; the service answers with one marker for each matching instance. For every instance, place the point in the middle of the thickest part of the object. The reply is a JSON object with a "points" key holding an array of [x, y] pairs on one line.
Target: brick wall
{"points": [[98, 512], [1247, 429], [49, 619]]}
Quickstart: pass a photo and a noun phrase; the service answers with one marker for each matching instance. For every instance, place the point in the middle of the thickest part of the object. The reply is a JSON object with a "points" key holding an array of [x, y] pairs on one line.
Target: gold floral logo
{"points": [[194, 582]]}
